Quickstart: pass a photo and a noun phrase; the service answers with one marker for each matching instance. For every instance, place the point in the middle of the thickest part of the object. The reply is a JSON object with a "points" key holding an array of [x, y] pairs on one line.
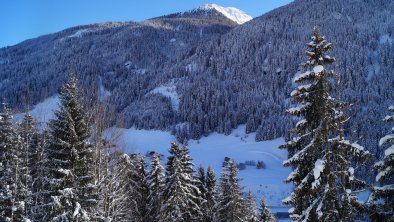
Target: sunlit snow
{"points": [[231, 13]]}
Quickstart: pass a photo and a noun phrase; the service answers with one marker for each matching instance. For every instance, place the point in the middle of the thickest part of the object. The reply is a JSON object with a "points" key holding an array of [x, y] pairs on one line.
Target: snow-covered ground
{"points": [[104, 93], [169, 90], [43, 111], [211, 150], [231, 13]]}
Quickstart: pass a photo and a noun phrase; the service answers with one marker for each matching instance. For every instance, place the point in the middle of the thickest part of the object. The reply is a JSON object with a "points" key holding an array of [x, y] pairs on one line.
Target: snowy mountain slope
{"points": [[231, 13], [211, 150], [107, 53]]}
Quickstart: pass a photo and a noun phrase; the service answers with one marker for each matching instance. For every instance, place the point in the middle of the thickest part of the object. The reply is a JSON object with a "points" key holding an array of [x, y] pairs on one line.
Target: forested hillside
{"points": [[198, 72]]}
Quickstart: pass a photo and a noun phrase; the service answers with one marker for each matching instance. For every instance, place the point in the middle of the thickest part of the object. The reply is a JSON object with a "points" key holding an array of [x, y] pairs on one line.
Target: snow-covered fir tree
{"points": [[12, 191], [323, 178], [116, 203], [140, 189], [40, 185], [195, 197], [200, 183], [230, 204], [29, 154], [70, 160], [210, 195], [383, 196], [179, 195], [155, 182], [250, 209], [265, 214]]}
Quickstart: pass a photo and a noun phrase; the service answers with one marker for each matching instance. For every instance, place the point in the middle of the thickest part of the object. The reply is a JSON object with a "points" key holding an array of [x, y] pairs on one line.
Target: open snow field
{"points": [[211, 150]]}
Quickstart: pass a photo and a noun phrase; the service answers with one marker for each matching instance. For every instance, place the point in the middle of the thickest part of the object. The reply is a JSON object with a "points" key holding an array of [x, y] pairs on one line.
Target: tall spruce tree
{"points": [[323, 178], [70, 159], [155, 181], [230, 204], [383, 196], [116, 202], [200, 183], [12, 191], [29, 150], [210, 195], [40, 190], [180, 194], [140, 189]]}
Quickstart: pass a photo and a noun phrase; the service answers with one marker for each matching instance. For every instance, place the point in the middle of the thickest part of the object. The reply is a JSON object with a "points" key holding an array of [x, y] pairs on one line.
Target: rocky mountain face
{"points": [[199, 72]]}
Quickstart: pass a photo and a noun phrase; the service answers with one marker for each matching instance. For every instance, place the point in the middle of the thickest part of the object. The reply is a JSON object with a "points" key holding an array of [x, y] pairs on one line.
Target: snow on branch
{"points": [[297, 110], [386, 139], [319, 167], [383, 173]]}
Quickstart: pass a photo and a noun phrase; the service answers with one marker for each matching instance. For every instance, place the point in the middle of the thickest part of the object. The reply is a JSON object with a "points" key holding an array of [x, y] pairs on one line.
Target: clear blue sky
{"points": [[25, 19]]}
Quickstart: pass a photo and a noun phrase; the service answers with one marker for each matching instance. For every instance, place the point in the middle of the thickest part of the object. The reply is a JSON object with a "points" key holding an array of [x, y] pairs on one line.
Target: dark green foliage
{"points": [[321, 158], [12, 190], [382, 198], [70, 160], [229, 202], [155, 181]]}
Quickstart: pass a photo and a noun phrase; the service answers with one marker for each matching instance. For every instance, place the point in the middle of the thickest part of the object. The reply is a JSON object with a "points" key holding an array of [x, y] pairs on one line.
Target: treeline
{"points": [[66, 172]]}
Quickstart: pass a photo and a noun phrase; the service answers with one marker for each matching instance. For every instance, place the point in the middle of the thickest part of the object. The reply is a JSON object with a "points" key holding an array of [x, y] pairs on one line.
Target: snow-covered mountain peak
{"points": [[231, 13]]}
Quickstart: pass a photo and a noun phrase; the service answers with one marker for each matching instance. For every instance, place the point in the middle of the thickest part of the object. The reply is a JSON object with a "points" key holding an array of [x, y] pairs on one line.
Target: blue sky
{"points": [[25, 19]]}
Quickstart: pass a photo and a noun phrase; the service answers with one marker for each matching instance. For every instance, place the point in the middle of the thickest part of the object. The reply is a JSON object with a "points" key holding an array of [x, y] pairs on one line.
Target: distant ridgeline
{"points": [[199, 72]]}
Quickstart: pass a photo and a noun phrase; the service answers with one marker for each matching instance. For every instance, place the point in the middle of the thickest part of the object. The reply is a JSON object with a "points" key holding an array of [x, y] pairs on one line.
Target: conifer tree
{"points": [[40, 185], [155, 181], [200, 183], [383, 196], [12, 206], [29, 151], [230, 203], [179, 195], [116, 203], [140, 190], [322, 176], [210, 195], [265, 214], [250, 209], [70, 159]]}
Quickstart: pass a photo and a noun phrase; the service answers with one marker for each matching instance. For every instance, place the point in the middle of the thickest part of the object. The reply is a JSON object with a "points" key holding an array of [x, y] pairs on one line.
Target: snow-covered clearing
{"points": [[169, 90], [103, 92], [43, 111], [211, 150], [374, 66], [386, 39]]}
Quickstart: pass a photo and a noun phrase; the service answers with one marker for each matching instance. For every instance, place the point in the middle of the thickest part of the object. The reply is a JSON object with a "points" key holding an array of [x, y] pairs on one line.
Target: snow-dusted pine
{"points": [[70, 164], [324, 181], [12, 189], [230, 205], [180, 195], [265, 213], [382, 197], [155, 182]]}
